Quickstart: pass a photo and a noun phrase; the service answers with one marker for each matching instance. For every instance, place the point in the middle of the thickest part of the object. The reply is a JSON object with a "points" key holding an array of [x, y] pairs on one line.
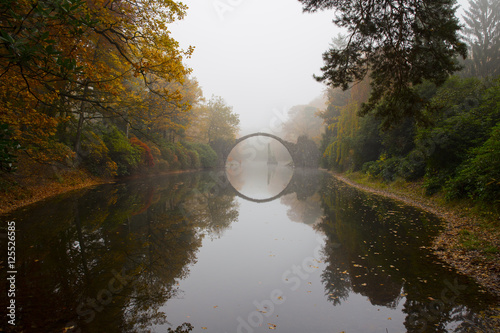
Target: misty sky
{"points": [[259, 55]]}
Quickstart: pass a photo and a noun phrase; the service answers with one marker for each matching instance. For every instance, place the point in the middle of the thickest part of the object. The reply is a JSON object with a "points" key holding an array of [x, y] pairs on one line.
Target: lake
{"points": [[250, 249]]}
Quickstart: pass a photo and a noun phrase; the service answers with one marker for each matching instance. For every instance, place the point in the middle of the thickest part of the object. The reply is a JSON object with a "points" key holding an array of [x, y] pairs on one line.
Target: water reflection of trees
{"points": [[375, 248], [305, 201], [71, 249]]}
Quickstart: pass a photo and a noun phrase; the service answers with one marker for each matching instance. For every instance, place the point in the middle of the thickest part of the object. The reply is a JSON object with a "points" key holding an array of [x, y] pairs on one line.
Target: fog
{"points": [[258, 55]]}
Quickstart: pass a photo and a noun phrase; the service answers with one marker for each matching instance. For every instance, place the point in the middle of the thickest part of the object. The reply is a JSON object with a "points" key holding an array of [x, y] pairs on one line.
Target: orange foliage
{"points": [[147, 157]]}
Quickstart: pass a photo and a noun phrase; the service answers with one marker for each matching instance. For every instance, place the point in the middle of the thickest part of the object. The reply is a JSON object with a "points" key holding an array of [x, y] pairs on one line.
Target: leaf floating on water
{"points": [[271, 326], [203, 328]]}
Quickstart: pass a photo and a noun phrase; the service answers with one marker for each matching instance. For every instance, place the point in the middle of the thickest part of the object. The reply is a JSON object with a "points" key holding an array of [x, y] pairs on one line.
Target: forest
{"points": [[100, 88], [443, 134]]}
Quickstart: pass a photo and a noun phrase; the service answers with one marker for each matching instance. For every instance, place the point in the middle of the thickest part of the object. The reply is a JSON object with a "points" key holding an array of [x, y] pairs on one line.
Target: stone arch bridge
{"points": [[304, 153]]}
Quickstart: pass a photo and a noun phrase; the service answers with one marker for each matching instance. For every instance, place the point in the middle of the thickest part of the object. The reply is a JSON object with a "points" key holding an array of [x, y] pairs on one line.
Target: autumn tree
{"points": [[398, 44], [169, 119], [62, 60], [482, 32], [214, 121]]}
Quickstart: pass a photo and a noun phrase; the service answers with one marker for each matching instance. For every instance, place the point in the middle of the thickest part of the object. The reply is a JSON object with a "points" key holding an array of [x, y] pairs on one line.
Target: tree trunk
{"points": [[79, 128]]}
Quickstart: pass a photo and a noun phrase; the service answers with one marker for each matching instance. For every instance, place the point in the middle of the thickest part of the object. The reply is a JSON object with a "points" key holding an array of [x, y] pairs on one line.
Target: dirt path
{"points": [[485, 269]]}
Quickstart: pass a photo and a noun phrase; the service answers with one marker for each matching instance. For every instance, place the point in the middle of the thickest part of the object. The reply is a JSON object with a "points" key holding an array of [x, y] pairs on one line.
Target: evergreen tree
{"points": [[398, 43], [482, 32]]}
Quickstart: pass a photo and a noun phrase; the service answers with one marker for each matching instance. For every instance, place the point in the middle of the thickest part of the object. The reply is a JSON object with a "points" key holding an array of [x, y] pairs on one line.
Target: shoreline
{"points": [[53, 188], [485, 271], [445, 246], [38, 193]]}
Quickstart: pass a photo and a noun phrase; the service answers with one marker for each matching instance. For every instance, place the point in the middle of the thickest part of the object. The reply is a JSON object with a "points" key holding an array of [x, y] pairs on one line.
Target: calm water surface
{"points": [[261, 248]]}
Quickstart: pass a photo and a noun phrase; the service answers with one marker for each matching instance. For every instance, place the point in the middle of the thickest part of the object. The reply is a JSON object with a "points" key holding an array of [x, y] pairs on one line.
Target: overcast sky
{"points": [[259, 55]]}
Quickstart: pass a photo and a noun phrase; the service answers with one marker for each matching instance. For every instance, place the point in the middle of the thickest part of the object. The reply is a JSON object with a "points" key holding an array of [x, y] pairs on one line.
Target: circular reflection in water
{"points": [[259, 180]]}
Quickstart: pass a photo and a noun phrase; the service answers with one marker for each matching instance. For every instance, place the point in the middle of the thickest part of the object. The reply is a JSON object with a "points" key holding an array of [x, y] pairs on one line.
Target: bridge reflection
{"points": [[305, 182]]}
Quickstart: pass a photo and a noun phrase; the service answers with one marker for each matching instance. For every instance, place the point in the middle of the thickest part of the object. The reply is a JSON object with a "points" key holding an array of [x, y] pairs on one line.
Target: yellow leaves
{"points": [[104, 65]]}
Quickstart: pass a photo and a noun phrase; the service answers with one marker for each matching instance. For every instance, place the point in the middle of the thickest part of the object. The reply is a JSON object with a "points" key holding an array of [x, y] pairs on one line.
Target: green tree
{"points": [[398, 44], [482, 32]]}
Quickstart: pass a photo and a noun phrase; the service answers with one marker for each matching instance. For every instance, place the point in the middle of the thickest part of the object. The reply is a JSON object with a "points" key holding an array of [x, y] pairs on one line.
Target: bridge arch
{"points": [[288, 145]]}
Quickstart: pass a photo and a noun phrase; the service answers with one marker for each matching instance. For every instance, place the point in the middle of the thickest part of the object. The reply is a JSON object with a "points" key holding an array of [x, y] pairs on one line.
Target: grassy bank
{"points": [[470, 239]]}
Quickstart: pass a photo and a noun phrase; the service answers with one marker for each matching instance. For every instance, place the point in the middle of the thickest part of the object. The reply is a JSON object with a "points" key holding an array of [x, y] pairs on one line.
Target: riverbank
{"points": [[469, 241], [35, 189], [18, 194]]}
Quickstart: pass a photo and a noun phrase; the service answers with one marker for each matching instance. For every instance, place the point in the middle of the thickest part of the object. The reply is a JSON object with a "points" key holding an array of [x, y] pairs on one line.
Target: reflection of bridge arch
{"points": [[288, 145], [286, 190]]}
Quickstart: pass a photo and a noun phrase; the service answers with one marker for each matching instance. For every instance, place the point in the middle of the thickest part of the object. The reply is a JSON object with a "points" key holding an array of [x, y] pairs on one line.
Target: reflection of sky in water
{"points": [[340, 259], [258, 180], [261, 253]]}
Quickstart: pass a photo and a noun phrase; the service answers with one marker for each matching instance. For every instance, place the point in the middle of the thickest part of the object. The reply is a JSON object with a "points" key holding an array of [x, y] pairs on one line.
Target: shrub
{"points": [[412, 167], [479, 176], [163, 165], [147, 156], [168, 154], [372, 168], [126, 156], [195, 159], [390, 168], [95, 156], [434, 182], [182, 155], [155, 151], [207, 156]]}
